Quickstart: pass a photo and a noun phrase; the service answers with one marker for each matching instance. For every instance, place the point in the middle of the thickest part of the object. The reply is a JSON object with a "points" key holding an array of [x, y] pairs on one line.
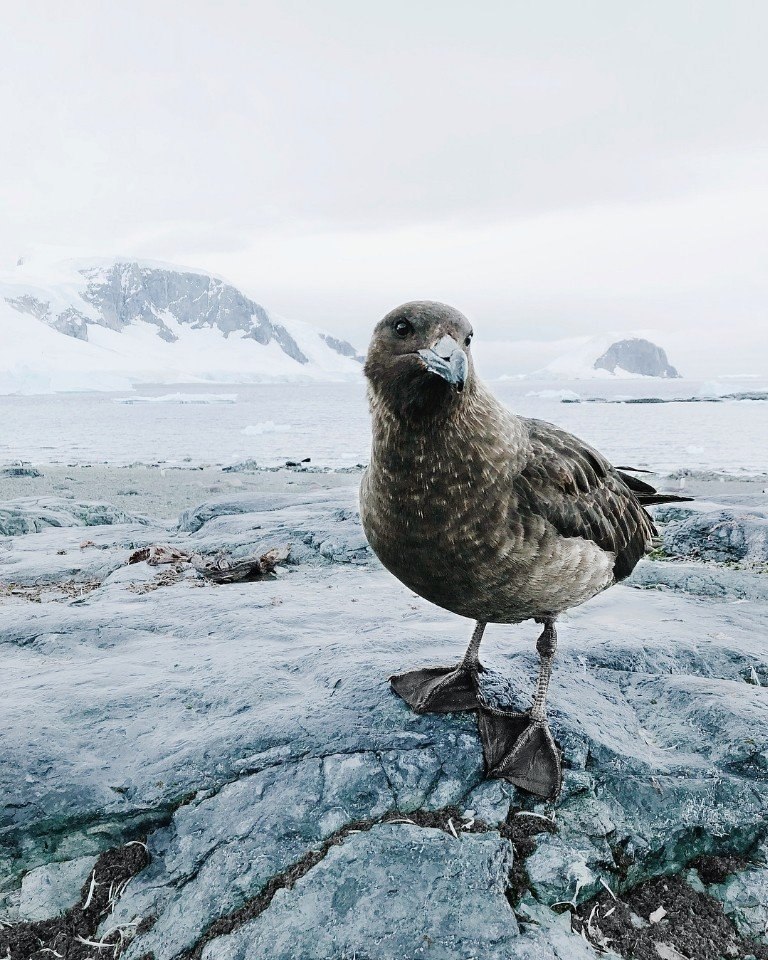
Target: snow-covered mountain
{"points": [[109, 324]]}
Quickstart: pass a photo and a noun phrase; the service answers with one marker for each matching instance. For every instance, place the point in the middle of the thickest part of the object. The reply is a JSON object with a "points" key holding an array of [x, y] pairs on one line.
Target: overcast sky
{"points": [[551, 168]]}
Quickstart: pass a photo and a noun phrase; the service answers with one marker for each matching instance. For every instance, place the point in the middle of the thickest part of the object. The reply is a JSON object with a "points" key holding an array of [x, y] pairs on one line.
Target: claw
{"points": [[437, 689], [522, 751]]}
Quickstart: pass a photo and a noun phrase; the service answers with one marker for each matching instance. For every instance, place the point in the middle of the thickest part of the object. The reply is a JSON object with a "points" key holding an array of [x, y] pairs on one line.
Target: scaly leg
{"points": [[443, 689], [519, 747]]}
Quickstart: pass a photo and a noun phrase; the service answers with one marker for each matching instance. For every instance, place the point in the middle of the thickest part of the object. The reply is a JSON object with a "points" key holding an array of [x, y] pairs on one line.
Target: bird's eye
{"points": [[468, 340], [403, 328]]}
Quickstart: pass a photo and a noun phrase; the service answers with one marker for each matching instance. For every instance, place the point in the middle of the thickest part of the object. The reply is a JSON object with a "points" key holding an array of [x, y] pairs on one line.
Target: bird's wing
{"points": [[577, 491]]}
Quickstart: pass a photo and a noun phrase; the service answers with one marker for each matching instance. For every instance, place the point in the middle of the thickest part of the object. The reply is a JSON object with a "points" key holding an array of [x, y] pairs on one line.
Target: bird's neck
{"points": [[475, 420]]}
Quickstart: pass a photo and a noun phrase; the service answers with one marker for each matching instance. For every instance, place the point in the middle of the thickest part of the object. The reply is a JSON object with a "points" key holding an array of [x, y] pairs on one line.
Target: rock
{"points": [[72, 323], [20, 471], [745, 897], [723, 536], [243, 466], [125, 292], [56, 554], [192, 520], [667, 512], [700, 580], [245, 729], [490, 801], [636, 356], [393, 893], [342, 347], [32, 514], [311, 527], [746, 395], [260, 825], [51, 890], [69, 321]]}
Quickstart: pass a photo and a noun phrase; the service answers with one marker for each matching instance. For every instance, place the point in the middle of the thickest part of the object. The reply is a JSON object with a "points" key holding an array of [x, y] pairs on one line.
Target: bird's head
{"points": [[419, 362]]}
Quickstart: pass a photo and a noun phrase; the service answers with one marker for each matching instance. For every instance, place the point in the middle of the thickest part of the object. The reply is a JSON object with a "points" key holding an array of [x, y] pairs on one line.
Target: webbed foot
{"points": [[438, 689], [522, 750]]}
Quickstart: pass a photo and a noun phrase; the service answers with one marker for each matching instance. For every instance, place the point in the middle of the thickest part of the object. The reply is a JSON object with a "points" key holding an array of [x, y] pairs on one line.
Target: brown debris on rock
{"points": [[158, 554], [223, 569], [220, 569]]}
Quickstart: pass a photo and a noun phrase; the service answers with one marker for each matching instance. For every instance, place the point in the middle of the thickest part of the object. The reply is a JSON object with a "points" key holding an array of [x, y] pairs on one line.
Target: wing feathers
{"points": [[580, 494]]}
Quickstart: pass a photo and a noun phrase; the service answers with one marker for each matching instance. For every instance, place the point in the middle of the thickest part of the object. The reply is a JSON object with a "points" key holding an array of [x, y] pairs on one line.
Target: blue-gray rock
{"points": [[51, 890], [701, 580], [32, 514], [724, 536], [342, 347], [395, 893], [126, 292], [193, 519], [242, 726], [20, 470], [72, 323], [69, 321]]}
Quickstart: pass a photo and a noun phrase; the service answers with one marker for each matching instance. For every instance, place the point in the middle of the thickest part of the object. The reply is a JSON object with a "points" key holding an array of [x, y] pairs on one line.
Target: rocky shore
{"points": [[291, 807]]}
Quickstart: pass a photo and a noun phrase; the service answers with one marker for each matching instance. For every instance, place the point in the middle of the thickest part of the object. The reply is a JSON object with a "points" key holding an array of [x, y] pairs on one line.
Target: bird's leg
{"points": [[471, 659], [519, 747], [443, 689], [546, 647]]}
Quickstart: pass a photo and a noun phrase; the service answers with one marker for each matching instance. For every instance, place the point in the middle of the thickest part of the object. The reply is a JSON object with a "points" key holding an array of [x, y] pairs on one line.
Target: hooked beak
{"points": [[446, 359]]}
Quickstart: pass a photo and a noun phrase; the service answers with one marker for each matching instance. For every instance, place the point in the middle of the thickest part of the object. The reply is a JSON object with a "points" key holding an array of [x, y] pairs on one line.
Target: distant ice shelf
{"points": [[182, 398]]}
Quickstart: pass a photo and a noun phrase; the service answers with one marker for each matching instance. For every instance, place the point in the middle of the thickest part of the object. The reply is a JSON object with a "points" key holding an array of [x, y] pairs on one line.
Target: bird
{"points": [[495, 517]]}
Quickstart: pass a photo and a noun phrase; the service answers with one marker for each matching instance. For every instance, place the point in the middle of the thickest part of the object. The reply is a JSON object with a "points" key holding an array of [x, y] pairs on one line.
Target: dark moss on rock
{"points": [[73, 934], [522, 828], [718, 869], [665, 912]]}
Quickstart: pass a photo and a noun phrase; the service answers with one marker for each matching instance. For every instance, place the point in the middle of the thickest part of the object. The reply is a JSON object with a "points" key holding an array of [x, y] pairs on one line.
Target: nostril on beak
{"points": [[445, 347]]}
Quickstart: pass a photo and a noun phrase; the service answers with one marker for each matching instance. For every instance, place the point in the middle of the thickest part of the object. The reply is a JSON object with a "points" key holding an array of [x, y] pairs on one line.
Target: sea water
{"points": [[272, 423]]}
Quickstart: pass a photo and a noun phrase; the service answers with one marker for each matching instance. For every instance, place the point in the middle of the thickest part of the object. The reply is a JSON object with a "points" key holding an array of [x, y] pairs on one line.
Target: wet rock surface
{"points": [[243, 728]]}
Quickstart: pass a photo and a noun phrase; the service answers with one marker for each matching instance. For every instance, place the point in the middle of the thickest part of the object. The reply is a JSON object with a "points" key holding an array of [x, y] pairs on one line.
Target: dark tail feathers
{"points": [[645, 493]]}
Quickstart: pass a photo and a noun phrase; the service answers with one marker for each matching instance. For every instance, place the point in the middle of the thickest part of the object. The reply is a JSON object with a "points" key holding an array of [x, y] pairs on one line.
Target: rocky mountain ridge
{"points": [[117, 295]]}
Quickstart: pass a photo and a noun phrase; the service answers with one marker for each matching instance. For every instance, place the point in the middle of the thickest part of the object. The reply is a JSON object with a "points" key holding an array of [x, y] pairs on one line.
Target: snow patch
{"points": [[268, 426]]}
